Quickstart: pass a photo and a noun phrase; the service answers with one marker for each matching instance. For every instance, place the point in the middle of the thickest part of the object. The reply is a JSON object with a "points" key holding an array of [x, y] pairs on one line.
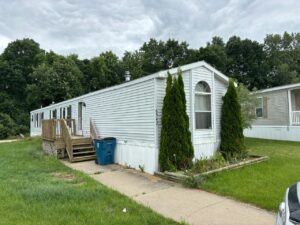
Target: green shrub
{"points": [[207, 164], [193, 181], [232, 137], [176, 149], [7, 126]]}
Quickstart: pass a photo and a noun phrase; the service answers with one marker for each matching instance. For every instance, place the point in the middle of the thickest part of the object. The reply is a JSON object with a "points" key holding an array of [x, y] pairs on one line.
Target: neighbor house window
{"points": [[203, 106], [259, 108]]}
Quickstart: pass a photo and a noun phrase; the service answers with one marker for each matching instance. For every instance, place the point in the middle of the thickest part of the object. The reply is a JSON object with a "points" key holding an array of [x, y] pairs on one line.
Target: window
{"points": [[203, 106], [54, 114], [259, 108], [69, 112], [41, 115], [36, 117]]}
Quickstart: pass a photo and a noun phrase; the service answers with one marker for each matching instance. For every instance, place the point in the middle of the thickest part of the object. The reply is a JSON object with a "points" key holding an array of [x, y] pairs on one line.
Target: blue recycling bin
{"points": [[105, 150]]}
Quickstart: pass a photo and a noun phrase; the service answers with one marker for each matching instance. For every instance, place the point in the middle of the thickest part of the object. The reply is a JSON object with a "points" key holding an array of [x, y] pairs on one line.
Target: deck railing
{"points": [[52, 129], [295, 117], [93, 130], [49, 130], [67, 137]]}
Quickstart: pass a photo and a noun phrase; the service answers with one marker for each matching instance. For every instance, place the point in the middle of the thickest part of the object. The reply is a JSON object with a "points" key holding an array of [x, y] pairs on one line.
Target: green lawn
{"points": [[37, 189], [263, 184]]}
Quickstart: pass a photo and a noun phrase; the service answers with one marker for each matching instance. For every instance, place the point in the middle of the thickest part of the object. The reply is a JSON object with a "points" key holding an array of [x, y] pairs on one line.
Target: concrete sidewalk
{"points": [[8, 141], [174, 201]]}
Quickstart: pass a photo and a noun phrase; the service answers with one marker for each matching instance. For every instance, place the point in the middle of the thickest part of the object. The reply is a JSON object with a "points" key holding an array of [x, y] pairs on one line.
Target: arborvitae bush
{"points": [[165, 136], [189, 148], [176, 149], [232, 137]]}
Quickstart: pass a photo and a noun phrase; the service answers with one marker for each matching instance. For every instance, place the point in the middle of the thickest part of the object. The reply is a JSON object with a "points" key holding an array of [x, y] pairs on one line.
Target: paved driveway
{"points": [[174, 201]]}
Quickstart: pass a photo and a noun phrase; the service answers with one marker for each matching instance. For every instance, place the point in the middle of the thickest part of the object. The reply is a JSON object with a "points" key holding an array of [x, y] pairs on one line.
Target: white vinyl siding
{"points": [[125, 113], [220, 91]]}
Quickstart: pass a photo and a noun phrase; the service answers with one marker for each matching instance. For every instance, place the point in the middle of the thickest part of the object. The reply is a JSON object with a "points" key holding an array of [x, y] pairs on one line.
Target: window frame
{"points": [[262, 108], [200, 93]]}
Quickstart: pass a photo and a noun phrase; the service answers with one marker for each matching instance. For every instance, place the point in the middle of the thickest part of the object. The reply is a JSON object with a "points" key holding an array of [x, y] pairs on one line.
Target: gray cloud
{"points": [[93, 26]]}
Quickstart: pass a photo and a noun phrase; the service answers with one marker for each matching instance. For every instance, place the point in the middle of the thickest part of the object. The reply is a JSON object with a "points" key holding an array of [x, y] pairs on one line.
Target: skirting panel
{"points": [[287, 133], [205, 150], [137, 155]]}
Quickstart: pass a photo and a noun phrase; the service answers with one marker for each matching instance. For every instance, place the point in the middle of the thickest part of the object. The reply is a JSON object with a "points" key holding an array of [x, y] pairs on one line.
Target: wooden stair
{"points": [[82, 149]]}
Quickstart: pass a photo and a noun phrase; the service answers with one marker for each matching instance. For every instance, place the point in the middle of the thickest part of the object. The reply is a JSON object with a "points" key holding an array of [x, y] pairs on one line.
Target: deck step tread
{"points": [[83, 152], [84, 158], [83, 147]]}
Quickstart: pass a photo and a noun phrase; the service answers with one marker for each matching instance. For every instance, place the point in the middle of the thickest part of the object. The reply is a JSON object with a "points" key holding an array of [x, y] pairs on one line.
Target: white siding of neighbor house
{"points": [[288, 133]]}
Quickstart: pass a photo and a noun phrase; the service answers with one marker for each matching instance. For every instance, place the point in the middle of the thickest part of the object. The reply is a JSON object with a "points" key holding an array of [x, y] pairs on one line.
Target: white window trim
{"points": [[199, 111], [262, 108]]}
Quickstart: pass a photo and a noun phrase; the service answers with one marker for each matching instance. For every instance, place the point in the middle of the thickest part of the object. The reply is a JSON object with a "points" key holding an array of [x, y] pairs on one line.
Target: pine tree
{"points": [[232, 138]]}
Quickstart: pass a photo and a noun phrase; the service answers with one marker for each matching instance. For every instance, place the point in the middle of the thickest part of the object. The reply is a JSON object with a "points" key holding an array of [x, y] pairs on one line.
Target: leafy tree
{"points": [[133, 62], [283, 58], [248, 104], [159, 55], [232, 138], [215, 54], [247, 62], [7, 126], [23, 55], [54, 83], [106, 71]]}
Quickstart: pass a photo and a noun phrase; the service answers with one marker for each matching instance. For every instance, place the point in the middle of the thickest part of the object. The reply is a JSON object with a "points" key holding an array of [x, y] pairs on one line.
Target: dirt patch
{"points": [[64, 176]]}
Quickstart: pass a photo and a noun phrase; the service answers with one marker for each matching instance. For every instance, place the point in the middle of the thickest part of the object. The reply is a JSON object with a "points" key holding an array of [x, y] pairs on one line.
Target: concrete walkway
{"points": [[174, 201], [8, 141]]}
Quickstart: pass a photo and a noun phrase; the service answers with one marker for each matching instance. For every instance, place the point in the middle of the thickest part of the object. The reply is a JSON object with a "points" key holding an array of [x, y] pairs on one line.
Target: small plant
{"points": [[206, 164], [193, 181], [142, 168]]}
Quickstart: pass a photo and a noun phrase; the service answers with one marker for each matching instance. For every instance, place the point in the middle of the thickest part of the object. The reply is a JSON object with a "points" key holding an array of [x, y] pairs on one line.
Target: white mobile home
{"points": [[278, 114], [131, 112]]}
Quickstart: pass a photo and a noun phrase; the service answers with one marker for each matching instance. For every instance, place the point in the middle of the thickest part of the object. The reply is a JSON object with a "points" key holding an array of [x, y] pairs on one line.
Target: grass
{"points": [[38, 189], [262, 184]]}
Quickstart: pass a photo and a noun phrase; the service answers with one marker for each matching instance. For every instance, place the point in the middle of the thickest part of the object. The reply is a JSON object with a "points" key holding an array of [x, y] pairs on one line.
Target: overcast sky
{"points": [[88, 27]]}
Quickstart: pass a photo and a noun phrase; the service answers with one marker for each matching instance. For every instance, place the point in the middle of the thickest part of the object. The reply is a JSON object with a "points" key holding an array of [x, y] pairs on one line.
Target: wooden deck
{"points": [[62, 135]]}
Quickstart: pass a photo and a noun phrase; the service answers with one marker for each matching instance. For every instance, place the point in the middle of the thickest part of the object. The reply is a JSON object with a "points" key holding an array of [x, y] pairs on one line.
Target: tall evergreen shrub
{"points": [[165, 135], [176, 149], [189, 149], [232, 137]]}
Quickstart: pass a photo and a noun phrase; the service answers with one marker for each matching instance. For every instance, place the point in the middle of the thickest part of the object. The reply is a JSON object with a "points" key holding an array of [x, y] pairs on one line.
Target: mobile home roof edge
{"points": [[289, 86], [160, 74]]}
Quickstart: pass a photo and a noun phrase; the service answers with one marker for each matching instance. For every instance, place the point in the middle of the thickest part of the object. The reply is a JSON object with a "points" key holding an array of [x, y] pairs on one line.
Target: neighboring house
{"points": [[278, 114], [131, 112]]}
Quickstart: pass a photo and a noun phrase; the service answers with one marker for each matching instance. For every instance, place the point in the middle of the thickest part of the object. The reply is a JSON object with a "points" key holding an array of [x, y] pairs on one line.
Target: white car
{"points": [[289, 209]]}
